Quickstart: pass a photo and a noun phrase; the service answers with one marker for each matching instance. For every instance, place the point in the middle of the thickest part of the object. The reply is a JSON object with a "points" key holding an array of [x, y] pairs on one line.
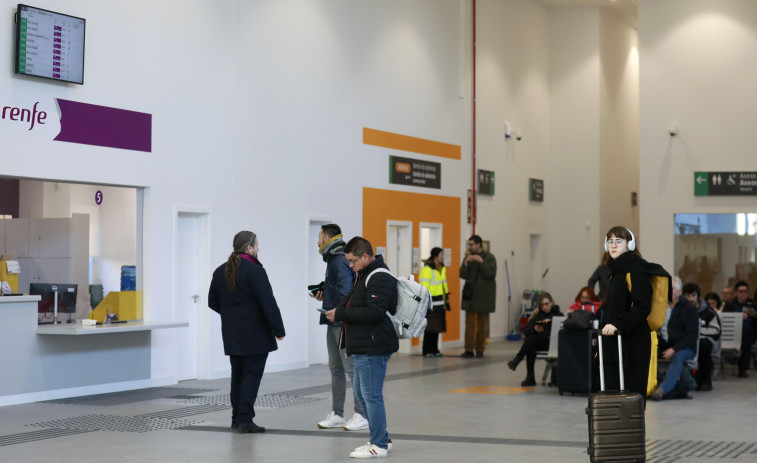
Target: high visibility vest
{"points": [[436, 283]]}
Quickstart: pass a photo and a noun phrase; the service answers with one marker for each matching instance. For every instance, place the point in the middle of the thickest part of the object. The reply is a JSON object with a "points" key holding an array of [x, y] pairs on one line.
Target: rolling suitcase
{"points": [[574, 361], [616, 421]]}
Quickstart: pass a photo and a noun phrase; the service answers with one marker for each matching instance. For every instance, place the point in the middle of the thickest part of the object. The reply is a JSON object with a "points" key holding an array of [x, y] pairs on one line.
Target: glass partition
{"points": [[716, 250]]}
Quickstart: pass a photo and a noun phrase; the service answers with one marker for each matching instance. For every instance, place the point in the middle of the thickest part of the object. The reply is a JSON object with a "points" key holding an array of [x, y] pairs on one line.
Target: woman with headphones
{"points": [[626, 310]]}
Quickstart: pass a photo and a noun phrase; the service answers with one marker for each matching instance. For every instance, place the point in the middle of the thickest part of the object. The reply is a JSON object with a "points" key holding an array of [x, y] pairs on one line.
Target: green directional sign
{"points": [[725, 183], [701, 184]]}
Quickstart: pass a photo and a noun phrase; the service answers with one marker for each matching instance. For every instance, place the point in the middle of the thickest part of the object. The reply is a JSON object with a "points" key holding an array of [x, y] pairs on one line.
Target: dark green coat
{"points": [[484, 287]]}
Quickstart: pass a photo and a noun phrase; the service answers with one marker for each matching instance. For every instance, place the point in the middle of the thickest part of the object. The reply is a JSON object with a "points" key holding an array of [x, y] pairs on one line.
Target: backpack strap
{"points": [[380, 269]]}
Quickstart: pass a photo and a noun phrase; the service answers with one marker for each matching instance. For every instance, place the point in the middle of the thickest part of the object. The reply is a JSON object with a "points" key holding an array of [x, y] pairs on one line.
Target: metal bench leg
{"points": [[547, 368]]}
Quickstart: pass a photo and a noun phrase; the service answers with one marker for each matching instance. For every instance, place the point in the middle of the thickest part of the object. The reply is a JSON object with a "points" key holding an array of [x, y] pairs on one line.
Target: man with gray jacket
{"points": [[336, 285]]}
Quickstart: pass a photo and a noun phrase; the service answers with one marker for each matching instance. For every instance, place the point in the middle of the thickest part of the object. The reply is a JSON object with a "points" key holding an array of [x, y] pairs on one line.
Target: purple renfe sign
{"points": [[90, 124]]}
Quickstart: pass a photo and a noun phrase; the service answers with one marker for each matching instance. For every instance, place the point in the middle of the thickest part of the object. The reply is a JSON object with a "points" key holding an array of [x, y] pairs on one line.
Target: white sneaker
{"points": [[368, 444], [332, 421], [356, 423], [371, 451]]}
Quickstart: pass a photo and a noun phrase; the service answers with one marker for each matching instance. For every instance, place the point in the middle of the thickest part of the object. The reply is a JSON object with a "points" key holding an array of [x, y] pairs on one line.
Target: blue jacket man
{"points": [[337, 284]]}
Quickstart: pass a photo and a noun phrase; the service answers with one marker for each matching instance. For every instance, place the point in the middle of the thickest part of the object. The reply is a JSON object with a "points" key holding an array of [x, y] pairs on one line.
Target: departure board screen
{"points": [[49, 44]]}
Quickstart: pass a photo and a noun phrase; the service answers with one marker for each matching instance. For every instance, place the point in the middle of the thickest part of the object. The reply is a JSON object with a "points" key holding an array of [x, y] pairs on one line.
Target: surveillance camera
{"points": [[673, 130], [518, 135]]}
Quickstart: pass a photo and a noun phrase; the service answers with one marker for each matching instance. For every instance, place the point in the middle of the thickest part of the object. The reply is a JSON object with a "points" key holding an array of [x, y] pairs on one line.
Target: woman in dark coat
{"points": [[537, 333], [625, 312], [250, 324]]}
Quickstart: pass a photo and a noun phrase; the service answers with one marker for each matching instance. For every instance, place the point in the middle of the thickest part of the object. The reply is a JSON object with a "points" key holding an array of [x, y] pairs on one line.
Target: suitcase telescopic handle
{"points": [[602, 363]]}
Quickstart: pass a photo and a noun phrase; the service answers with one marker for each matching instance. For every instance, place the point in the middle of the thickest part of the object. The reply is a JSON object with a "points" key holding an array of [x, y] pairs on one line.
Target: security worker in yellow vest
{"points": [[434, 277]]}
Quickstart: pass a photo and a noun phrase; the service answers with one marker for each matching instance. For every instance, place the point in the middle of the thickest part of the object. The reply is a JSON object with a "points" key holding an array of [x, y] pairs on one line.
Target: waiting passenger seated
{"points": [[709, 335], [585, 300], [742, 303], [679, 347], [714, 301], [537, 336]]}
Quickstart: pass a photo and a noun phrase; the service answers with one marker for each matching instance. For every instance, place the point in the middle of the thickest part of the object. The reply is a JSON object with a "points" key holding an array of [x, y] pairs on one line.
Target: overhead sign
{"points": [[535, 190], [485, 182], [406, 171], [725, 183]]}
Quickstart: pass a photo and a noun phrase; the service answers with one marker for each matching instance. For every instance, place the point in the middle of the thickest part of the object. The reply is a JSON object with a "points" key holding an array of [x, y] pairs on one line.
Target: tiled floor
{"points": [[439, 410]]}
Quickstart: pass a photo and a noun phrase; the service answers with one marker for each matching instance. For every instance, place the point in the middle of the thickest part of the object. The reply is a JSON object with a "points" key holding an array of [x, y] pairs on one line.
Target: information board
{"points": [[406, 171], [50, 45]]}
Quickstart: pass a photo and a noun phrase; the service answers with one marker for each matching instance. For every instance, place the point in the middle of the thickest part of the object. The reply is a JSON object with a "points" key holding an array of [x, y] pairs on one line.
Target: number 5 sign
{"points": [[99, 197]]}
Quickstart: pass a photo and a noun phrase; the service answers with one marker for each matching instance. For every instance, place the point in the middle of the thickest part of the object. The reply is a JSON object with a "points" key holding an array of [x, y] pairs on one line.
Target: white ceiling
{"points": [[629, 9]]}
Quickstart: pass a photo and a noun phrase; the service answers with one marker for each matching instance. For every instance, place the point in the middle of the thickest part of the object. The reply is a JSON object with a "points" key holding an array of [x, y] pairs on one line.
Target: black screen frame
{"points": [[17, 46], [66, 297]]}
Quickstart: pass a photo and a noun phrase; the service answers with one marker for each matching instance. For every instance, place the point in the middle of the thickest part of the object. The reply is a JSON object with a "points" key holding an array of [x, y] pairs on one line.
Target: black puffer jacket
{"points": [[367, 329]]}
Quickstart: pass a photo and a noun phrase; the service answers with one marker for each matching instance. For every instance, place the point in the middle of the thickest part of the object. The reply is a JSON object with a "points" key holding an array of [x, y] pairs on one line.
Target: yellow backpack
{"points": [[659, 308]]}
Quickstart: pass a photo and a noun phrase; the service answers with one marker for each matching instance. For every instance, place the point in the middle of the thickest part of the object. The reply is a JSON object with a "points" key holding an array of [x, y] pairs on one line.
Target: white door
{"points": [[317, 351], [189, 296], [431, 237], [399, 247]]}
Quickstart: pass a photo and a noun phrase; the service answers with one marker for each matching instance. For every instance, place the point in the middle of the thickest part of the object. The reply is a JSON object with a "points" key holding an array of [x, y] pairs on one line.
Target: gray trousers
{"points": [[339, 364]]}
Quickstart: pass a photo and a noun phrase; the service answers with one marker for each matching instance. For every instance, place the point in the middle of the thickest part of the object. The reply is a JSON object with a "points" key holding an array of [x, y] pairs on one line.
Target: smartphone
{"points": [[322, 310], [315, 288]]}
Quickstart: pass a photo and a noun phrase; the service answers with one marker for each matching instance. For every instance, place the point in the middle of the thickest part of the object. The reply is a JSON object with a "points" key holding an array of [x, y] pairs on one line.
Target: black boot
{"points": [[530, 380], [513, 364]]}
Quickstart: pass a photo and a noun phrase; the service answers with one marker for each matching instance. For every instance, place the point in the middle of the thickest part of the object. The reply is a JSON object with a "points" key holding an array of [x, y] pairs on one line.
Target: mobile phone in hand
{"points": [[322, 310], [315, 288]]}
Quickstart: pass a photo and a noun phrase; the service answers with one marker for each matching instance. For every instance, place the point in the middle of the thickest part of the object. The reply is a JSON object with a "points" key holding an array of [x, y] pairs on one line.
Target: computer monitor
{"points": [[66, 297]]}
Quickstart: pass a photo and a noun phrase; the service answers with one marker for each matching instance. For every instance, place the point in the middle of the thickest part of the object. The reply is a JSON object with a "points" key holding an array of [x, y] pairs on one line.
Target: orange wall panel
{"points": [[379, 206], [412, 144]]}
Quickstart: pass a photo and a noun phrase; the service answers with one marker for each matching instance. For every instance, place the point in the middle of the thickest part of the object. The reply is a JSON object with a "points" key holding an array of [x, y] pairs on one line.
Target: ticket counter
{"points": [[54, 361]]}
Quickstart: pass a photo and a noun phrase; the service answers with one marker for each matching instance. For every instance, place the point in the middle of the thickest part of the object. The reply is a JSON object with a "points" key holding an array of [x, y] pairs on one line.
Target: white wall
{"points": [[575, 78], [696, 70], [512, 86], [311, 75], [258, 110], [619, 125], [154, 63]]}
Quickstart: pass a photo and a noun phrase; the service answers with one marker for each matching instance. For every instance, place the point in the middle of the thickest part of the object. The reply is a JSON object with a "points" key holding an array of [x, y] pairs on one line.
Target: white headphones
{"points": [[631, 243]]}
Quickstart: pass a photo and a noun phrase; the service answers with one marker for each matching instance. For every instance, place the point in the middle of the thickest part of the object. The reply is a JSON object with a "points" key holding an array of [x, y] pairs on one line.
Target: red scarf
{"points": [[250, 258]]}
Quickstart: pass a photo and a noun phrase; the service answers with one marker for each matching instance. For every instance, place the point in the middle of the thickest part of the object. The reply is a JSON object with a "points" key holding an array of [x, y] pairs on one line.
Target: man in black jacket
{"points": [[250, 325], [369, 337], [744, 304], [709, 334]]}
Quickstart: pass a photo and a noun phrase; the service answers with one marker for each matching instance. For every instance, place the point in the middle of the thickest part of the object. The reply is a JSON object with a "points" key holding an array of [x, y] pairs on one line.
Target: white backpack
{"points": [[413, 301]]}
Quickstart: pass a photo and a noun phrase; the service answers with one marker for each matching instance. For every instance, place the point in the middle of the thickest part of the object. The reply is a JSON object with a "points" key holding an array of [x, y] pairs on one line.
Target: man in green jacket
{"points": [[478, 270]]}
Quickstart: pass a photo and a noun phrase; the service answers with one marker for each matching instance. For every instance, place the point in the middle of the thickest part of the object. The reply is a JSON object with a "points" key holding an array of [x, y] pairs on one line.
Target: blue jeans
{"points": [[370, 371], [674, 369]]}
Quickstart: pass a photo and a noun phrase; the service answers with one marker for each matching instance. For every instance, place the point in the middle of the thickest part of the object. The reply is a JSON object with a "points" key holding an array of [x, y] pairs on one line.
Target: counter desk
{"points": [[65, 360]]}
